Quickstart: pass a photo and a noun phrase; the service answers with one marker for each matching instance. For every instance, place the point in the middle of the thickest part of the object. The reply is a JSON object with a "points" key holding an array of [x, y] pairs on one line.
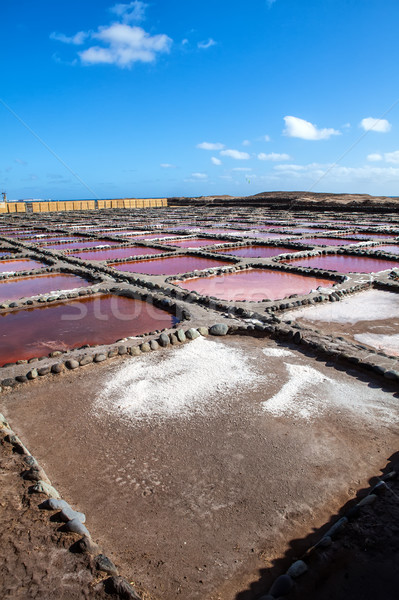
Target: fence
{"points": [[69, 205]]}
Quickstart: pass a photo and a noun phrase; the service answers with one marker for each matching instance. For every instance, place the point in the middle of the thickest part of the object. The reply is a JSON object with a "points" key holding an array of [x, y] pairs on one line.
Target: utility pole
{"points": [[4, 194]]}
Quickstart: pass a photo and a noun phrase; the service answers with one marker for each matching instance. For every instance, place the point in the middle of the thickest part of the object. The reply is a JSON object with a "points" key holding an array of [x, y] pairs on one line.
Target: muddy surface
{"points": [[196, 503], [35, 561]]}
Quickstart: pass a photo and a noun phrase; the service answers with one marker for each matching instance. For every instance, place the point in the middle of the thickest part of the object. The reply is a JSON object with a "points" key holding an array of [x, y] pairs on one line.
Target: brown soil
{"points": [[196, 507], [35, 561]]}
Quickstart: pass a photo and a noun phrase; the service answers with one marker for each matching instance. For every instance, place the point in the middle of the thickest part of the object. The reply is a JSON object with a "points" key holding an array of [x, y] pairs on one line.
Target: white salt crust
{"points": [[386, 342], [369, 305], [181, 384]]}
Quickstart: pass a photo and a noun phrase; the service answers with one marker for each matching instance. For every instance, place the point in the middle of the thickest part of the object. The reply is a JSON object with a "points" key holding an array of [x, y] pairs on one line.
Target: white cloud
{"points": [[199, 175], [76, 39], [206, 44], [336, 174], [246, 143], [242, 169], [167, 166], [270, 3], [216, 161], [184, 42], [392, 157], [379, 125], [266, 138], [273, 156], [210, 146], [236, 154], [125, 45], [374, 157], [133, 11], [299, 128]]}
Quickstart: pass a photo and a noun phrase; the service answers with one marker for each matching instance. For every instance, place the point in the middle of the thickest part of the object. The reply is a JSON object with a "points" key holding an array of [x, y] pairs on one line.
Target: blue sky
{"points": [[196, 97]]}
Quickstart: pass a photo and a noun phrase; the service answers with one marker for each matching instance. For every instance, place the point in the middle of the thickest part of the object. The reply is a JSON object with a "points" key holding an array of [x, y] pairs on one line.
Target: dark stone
{"points": [[145, 347], [181, 336], [281, 587], [120, 587], [219, 329], [32, 374], [44, 370], [86, 360], [9, 382], [164, 340], [99, 358], [122, 350], [103, 563], [57, 368], [71, 364]]}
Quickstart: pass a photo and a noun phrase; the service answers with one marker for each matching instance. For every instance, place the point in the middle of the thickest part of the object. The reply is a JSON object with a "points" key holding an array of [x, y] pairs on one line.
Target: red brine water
{"points": [[345, 264], [256, 251], [24, 287], [63, 326], [194, 242], [172, 265], [19, 264], [87, 244], [113, 253], [254, 285]]}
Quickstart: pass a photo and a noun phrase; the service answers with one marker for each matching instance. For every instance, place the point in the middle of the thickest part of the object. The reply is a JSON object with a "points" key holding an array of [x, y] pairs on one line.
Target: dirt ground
{"points": [[197, 502], [35, 561]]}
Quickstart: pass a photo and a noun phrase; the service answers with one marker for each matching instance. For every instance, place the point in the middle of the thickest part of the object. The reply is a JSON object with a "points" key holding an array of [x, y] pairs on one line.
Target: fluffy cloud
{"points": [[242, 169], [199, 175], [389, 157], [125, 45], [236, 154], [210, 146], [299, 128], [167, 166], [206, 44], [379, 125], [392, 157], [76, 39], [246, 143], [339, 174], [133, 11], [273, 156], [216, 161]]}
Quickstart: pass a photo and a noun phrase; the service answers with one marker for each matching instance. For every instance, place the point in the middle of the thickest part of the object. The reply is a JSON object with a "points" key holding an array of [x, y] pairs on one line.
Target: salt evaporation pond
{"points": [[256, 251], [388, 248], [20, 264], [254, 285], [345, 264], [194, 242], [169, 266], [89, 244], [67, 325], [113, 253], [324, 241], [21, 287]]}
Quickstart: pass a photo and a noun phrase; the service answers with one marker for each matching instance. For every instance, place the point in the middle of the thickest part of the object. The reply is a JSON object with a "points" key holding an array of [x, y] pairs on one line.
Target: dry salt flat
{"points": [[370, 318], [196, 465]]}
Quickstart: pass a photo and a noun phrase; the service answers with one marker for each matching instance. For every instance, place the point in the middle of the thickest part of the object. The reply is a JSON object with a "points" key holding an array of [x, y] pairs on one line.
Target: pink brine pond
{"points": [[87, 244], [346, 264], [63, 326], [256, 251], [254, 285], [113, 253], [21, 287], [169, 266], [194, 242], [324, 241], [22, 264]]}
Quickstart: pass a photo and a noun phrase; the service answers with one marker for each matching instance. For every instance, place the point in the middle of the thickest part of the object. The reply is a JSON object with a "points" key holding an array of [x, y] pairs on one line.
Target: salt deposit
{"points": [[191, 380], [387, 343], [368, 306], [309, 394], [279, 352]]}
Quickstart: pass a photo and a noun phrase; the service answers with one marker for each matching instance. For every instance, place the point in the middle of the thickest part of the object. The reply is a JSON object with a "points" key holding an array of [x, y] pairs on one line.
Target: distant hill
{"points": [[297, 201]]}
